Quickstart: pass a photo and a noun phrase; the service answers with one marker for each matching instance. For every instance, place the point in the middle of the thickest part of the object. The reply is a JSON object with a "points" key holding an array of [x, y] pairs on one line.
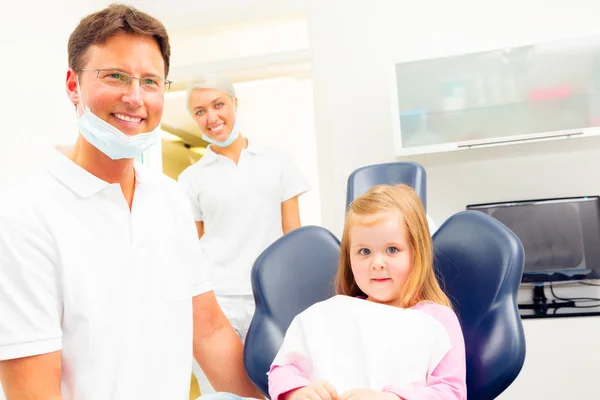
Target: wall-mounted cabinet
{"points": [[533, 92]]}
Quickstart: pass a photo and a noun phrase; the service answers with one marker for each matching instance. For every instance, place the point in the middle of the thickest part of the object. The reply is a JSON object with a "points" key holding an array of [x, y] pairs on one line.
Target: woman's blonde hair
{"points": [[422, 284], [211, 80]]}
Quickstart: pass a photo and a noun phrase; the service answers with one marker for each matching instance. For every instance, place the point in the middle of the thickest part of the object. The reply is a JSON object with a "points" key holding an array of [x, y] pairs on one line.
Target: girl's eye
{"points": [[219, 105], [364, 252], [392, 250], [199, 112]]}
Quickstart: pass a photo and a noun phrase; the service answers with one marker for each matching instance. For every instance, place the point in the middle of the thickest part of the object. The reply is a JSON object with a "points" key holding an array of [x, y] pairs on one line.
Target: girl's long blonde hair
{"points": [[422, 284]]}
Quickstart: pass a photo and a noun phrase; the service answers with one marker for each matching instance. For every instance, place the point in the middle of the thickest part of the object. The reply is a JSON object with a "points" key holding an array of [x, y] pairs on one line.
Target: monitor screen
{"points": [[561, 237]]}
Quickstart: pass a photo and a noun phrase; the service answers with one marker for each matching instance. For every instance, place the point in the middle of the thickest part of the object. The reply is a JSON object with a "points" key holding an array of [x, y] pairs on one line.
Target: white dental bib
{"points": [[353, 343]]}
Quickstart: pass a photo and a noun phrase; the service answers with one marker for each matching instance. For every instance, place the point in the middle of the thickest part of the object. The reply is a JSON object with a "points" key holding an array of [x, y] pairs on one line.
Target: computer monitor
{"points": [[561, 237]]}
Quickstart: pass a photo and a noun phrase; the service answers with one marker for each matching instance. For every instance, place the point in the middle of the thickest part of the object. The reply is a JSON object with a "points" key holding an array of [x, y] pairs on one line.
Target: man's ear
{"points": [[72, 87]]}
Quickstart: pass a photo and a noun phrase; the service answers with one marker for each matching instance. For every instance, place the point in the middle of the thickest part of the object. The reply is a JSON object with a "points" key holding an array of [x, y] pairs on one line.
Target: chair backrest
{"points": [[479, 263], [410, 173], [292, 274]]}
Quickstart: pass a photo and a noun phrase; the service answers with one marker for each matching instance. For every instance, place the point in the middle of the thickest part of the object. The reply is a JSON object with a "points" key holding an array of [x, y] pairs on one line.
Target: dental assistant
{"points": [[244, 196]]}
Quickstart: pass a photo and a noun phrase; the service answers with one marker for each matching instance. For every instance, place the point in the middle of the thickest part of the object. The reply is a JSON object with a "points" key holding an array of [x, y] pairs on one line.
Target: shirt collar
{"points": [[253, 147], [80, 180], [209, 156]]}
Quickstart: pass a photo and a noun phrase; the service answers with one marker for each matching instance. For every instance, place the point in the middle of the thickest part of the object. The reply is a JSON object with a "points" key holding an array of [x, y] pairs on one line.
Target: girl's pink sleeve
{"points": [[284, 378]]}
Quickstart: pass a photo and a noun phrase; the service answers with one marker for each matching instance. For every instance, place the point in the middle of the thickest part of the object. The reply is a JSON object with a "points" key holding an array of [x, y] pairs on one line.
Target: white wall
{"points": [[559, 168], [33, 104], [353, 46]]}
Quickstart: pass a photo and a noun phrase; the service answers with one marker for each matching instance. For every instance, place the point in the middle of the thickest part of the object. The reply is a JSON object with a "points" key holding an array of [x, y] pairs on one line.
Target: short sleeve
{"points": [[293, 182], [29, 293], [201, 282], [187, 185], [193, 255]]}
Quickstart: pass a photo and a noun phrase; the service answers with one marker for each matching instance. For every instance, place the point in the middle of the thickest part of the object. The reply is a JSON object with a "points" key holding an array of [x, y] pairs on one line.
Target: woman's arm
{"points": [[290, 215], [200, 228]]}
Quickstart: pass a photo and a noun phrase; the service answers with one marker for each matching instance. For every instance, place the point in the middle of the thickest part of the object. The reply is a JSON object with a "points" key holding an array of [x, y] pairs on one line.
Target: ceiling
{"points": [[190, 14]]}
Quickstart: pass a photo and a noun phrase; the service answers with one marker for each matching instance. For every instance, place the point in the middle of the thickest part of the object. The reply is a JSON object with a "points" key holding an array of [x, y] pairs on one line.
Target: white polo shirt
{"points": [[110, 287], [240, 206]]}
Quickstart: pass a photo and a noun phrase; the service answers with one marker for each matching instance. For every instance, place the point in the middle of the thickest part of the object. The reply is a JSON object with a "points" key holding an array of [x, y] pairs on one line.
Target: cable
{"points": [[571, 298]]}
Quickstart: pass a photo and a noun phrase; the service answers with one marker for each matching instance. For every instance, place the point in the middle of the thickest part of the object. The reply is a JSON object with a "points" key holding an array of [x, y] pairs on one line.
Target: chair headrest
{"points": [[394, 173]]}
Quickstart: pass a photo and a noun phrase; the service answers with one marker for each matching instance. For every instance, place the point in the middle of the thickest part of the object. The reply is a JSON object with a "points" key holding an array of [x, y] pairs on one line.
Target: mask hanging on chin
{"points": [[233, 135], [111, 141]]}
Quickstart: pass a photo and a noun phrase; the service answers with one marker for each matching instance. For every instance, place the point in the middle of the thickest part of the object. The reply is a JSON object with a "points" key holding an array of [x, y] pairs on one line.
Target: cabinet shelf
{"points": [[586, 141]]}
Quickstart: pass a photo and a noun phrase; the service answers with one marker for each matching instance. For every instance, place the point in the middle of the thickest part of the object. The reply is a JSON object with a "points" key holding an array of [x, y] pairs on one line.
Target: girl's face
{"points": [[381, 256], [214, 112]]}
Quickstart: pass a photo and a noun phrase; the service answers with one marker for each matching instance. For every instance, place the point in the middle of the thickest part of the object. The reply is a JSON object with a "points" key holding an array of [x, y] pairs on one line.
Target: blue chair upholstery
{"points": [[410, 173], [292, 274], [479, 263]]}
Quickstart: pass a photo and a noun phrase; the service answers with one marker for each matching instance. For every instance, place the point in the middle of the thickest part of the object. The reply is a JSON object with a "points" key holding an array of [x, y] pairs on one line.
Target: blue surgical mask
{"points": [[112, 141], [235, 132]]}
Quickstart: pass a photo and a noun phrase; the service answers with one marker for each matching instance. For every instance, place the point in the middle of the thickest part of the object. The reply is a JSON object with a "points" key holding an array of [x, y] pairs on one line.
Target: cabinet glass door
{"points": [[533, 89]]}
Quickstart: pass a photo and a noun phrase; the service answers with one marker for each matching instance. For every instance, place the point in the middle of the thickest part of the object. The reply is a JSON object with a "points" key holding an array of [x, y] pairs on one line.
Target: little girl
{"points": [[390, 333]]}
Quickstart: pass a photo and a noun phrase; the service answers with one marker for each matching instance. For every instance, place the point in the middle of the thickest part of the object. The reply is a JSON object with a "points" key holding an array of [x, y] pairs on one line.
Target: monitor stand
{"points": [[541, 305]]}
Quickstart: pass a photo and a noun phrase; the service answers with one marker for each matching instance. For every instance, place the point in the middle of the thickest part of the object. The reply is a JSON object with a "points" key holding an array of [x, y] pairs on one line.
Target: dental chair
{"points": [[479, 263]]}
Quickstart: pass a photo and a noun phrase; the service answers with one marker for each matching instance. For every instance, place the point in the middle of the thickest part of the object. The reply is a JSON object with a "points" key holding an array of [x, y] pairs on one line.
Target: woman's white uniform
{"points": [[240, 206]]}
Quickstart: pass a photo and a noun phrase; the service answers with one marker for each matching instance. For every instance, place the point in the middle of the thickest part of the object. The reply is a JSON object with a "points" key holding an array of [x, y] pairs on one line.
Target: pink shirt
{"points": [[446, 381]]}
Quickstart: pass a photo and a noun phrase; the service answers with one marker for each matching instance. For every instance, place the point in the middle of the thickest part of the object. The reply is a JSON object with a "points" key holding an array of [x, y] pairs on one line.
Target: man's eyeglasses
{"points": [[121, 80]]}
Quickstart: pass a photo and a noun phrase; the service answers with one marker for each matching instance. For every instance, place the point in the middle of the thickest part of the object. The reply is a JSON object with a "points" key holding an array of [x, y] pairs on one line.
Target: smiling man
{"points": [[101, 292]]}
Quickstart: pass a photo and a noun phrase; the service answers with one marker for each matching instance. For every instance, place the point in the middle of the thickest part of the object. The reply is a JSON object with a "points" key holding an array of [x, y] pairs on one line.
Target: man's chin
{"points": [[137, 131]]}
